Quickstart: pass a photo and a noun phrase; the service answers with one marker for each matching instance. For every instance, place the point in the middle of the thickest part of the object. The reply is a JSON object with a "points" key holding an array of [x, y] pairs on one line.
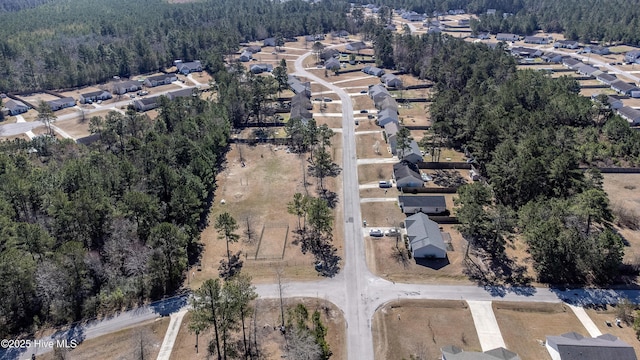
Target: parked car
{"points": [[364, 111], [385, 184], [328, 100], [363, 92], [391, 232], [376, 233]]}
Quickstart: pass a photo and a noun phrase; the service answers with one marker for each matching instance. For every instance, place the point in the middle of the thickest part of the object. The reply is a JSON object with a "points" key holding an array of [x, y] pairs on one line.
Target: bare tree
{"points": [[279, 273], [376, 147], [142, 343], [302, 346]]}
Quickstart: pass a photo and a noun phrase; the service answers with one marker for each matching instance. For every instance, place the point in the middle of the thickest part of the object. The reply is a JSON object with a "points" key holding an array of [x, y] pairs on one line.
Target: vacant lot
{"points": [[367, 144], [76, 93], [122, 344], [622, 190], [363, 102], [383, 262], [270, 340], [382, 213], [333, 122], [357, 79], [524, 326], [374, 172], [626, 333], [35, 98], [421, 328]]}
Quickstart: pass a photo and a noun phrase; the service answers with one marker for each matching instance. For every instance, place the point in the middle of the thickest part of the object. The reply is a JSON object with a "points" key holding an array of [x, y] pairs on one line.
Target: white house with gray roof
{"points": [[630, 114], [15, 107], [573, 346], [428, 204], [425, 239]]}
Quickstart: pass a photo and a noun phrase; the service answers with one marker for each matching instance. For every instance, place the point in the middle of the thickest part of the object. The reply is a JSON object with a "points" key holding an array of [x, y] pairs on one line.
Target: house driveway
{"points": [[486, 325], [585, 320]]}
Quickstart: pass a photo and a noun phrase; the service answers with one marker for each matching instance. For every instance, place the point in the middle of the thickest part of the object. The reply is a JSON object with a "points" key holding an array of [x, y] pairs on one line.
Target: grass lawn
{"points": [[365, 144], [421, 328], [625, 333], [374, 172], [622, 190]]}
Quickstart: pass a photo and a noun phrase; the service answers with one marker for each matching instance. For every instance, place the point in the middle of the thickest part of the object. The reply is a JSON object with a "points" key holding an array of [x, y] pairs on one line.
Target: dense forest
{"points": [[529, 133], [584, 20], [67, 43], [85, 230], [17, 5]]}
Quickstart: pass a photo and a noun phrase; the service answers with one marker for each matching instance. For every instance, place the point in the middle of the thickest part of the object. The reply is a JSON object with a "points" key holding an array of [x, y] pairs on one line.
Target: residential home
{"points": [[386, 116], [187, 68], [551, 58], [606, 78], [588, 70], [570, 62], [424, 204], [158, 80], [391, 81], [526, 52], [595, 49], [411, 154], [341, 33], [376, 90], [180, 93], [387, 103], [566, 44], [491, 11], [623, 87], [632, 57], [298, 86], [124, 87], [94, 96], [372, 70], [483, 36], [613, 101], [15, 107], [507, 37], [254, 49], [536, 40], [390, 131], [269, 42], [260, 68], [463, 22], [456, 12], [630, 114], [146, 104], [407, 175], [573, 346], [356, 46], [316, 37], [425, 238], [246, 56], [300, 106], [332, 64], [327, 54], [434, 30], [452, 352], [61, 103]]}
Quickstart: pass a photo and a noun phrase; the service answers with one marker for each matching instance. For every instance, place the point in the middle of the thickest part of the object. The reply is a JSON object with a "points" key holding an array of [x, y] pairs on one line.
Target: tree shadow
{"points": [[502, 275], [330, 197]]}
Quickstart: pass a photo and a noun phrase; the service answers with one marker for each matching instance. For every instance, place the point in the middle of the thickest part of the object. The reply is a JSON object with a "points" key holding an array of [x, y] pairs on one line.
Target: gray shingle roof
{"points": [[423, 201], [573, 346], [423, 232], [455, 353]]}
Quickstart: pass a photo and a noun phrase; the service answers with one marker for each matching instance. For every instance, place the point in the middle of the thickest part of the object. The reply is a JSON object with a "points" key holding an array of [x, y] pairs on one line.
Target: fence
{"points": [[278, 141], [444, 165], [429, 190]]}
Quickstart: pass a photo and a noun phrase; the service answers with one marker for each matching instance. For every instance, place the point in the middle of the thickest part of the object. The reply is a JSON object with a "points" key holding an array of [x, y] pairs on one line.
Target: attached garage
{"points": [[425, 239]]}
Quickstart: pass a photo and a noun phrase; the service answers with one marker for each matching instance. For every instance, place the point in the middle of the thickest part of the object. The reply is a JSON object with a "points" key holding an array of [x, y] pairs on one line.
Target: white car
{"points": [[391, 232]]}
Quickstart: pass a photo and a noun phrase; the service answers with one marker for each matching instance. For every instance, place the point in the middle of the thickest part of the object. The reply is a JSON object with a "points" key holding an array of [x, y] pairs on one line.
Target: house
{"points": [[606, 78], [260, 68], [456, 12], [390, 131], [387, 103], [327, 54], [298, 86], [507, 37], [146, 104], [411, 154], [316, 37], [630, 114], [526, 52], [189, 67], [124, 87], [372, 70], [595, 49], [632, 57], [94, 96], [300, 106], [269, 42], [573, 346], [332, 64], [386, 116], [491, 11], [588, 70], [570, 62], [425, 239], [341, 33], [463, 22], [452, 352], [61, 103], [246, 56], [551, 58], [180, 93], [162, 79], [614, 102], [391, 81], [536, 40], [356, 46], [566, 44], [414, 16], [15, 107], [407, 175], [483, 36], [254, 49], [434, 30], [623, 87], [375, 92], [422, 204]]}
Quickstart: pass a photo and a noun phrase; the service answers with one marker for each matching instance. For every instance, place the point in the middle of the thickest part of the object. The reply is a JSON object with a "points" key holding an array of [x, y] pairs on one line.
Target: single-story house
{"points": [[372, 70], [632, 56], [356, 46], [341, 33], [587, 70], [424, 204], [332, 64], [425, 239], [61, 103], [623, 87], [180, 93], [162, 79], [411, 154], [298, 86], [327, 54], [463, 22], [526, 52], [595, 49], [189, 67], [566, 44], [300, 106], [124, 87], [630, 114], [573, 346], [483, 36], [570, 62], [391, 81], [551, 58], [260, 68], [146, 104], [387, 103], [536, 40], [452, 352], [407, 175], [415, 17], [94, 96], [269, 42], [254, 49], [386, 116], [316, 37], [456, 12], [15, 107], [606, 78], [375, 92], [491, 11], [390, 131], [246, 56], [614, 102], [507, 37]]}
